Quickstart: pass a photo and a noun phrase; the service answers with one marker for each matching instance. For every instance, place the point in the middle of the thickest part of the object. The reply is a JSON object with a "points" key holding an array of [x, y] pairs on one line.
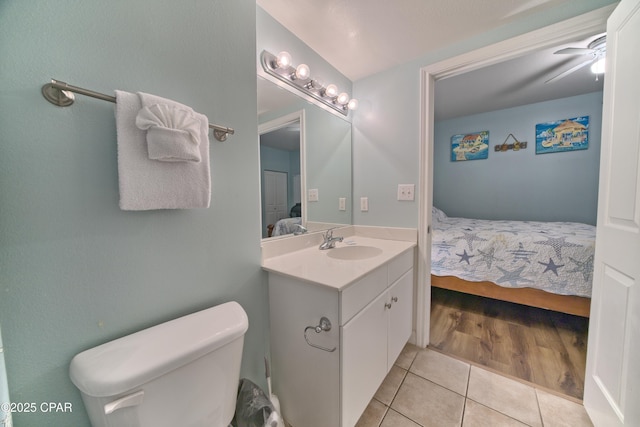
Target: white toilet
{"points": [[184, 372]]}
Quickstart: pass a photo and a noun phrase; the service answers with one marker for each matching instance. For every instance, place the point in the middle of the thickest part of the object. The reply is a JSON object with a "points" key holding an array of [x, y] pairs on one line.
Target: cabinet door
{"points": [[364, 358], [400, 315]]}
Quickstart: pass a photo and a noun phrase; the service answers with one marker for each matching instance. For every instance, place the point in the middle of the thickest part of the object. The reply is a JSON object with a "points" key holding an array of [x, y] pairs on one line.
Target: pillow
{"points": [[437, 214]]}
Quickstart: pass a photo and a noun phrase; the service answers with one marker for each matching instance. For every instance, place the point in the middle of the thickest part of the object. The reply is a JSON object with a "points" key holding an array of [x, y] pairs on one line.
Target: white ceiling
{"points": [[363, 37], [516, 82]]}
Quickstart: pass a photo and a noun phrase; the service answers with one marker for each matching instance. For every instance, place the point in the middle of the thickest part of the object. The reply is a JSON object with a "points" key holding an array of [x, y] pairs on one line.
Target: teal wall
{"points": [[386, 131], [75, 270], [520, 185]]}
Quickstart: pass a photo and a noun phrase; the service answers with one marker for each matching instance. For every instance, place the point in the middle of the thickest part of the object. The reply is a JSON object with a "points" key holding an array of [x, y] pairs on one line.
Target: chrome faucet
{"points": [[329, 240]]}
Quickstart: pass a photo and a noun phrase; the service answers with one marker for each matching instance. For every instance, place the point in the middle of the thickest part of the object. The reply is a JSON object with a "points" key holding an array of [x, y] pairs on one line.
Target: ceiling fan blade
{"points": [[569, 71], [574, 51]]}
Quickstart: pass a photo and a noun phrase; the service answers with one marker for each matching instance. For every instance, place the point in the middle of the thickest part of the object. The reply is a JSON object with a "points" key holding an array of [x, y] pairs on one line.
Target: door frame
{"points": [[562, 32]]}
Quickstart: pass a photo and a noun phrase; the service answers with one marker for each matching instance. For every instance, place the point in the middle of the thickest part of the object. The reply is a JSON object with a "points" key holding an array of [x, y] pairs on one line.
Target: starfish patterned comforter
{"points": [[553, 256]]}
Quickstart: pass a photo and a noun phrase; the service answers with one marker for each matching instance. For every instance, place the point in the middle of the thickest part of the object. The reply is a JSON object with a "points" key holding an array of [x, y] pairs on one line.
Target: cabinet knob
{"points": [[389, 304]]}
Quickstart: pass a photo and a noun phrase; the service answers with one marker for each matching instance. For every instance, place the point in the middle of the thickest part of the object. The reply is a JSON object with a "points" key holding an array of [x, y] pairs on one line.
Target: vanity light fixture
{"points": [[302, 72], [331, 91], [343, 98], [283, 60], [281, 67]]}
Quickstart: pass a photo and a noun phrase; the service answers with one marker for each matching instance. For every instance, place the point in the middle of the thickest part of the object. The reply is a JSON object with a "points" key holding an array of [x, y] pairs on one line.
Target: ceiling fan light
{"points": [[598, 67]]}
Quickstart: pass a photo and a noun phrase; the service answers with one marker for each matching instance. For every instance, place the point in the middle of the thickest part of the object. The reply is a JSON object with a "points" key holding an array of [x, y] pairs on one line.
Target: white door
{"points": [[612, 383], [275, 196]]}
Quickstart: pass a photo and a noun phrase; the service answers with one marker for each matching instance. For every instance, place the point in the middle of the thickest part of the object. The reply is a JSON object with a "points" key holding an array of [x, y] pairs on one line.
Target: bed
{"points": [[285, 226], [541, 264]]}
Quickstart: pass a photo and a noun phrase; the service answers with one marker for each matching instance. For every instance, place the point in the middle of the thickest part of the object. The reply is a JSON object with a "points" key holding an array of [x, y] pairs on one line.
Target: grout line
{"points": [[466, 392], [464, 411], [539, 409], [386, 411]]}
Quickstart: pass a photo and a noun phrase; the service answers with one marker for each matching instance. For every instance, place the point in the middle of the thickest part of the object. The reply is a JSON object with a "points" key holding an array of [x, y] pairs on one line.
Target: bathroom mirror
{"points": [[305, 163]]}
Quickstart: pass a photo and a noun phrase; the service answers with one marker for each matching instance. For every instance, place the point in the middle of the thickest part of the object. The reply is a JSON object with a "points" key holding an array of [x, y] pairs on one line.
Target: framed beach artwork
{"points": [[470, 146], [562, 135]]}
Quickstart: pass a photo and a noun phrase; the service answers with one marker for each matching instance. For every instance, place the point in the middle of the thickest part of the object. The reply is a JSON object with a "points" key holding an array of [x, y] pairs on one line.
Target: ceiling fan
{"points": [[596, 50]]}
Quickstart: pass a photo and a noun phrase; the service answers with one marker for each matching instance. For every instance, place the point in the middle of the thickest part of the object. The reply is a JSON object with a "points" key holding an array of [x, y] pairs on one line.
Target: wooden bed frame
{"points": [[569, 304]]}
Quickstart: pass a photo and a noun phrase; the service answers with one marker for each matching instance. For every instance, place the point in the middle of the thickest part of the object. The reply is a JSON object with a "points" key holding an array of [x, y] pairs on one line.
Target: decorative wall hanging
{"points": [[517, 145], [470, 146], [562, 135]]}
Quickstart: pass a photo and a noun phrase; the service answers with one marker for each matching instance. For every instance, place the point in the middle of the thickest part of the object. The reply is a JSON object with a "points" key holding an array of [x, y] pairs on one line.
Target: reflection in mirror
{"points": [[281, 172], [321, 160]]}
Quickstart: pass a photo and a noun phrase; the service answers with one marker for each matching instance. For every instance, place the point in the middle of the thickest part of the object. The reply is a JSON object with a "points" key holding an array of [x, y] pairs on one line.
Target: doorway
{"points": [[581, 26]]}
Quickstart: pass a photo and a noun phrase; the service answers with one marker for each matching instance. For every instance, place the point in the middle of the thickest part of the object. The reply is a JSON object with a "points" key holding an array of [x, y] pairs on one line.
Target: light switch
{"points": [[364, 204], [406, 192]]}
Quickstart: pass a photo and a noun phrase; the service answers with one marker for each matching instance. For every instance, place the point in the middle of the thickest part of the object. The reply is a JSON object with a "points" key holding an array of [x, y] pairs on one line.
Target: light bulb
{"points": [[283, 60], [598, 66], [343, 98], [302, 72], [353, 104], [316, 84], [331, 91]]}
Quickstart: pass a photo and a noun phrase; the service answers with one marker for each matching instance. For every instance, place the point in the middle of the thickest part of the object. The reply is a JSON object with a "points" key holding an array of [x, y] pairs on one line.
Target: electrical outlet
{"points": [[312, 195], [406, 192], [364, 204], [342, 203]]}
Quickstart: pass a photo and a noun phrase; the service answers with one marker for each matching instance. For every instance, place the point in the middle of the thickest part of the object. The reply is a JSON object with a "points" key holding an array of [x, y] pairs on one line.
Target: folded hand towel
{"points": [[173, 133], [149, 184]]}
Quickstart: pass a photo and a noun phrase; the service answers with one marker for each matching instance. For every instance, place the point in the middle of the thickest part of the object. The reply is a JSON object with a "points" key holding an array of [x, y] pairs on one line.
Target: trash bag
{"points": [[253, 407]]}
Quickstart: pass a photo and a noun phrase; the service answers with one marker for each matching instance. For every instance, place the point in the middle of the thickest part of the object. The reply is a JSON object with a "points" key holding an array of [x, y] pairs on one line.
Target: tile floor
{"points": [[427, 388]]}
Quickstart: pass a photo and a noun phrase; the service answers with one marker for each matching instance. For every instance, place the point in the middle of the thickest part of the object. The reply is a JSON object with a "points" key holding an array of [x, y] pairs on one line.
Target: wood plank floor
{"points": [[539, 346]]}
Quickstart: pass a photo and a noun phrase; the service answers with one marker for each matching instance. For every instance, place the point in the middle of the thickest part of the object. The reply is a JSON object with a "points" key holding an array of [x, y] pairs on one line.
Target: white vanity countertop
{"points": [[315, 265]]}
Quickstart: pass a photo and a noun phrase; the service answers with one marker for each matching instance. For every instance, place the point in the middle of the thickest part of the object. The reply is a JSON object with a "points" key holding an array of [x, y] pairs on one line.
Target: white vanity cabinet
{"points": [[371, 321]]}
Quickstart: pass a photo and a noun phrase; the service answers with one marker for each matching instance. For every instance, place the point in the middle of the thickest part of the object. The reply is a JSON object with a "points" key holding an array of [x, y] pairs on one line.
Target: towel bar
{"points": [[59, 93]]}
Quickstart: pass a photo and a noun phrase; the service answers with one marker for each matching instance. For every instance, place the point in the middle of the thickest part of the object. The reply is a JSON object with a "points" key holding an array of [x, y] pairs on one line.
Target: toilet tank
{"points": [[184, 372]]}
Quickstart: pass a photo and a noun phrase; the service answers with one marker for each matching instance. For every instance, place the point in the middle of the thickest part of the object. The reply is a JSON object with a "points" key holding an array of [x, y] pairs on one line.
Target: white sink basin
{"points": [[354, 252]]}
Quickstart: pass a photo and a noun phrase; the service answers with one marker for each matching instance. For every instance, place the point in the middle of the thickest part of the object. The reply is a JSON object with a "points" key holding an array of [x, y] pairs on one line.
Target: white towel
{"points": [[147, 184], [173, 134]]}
